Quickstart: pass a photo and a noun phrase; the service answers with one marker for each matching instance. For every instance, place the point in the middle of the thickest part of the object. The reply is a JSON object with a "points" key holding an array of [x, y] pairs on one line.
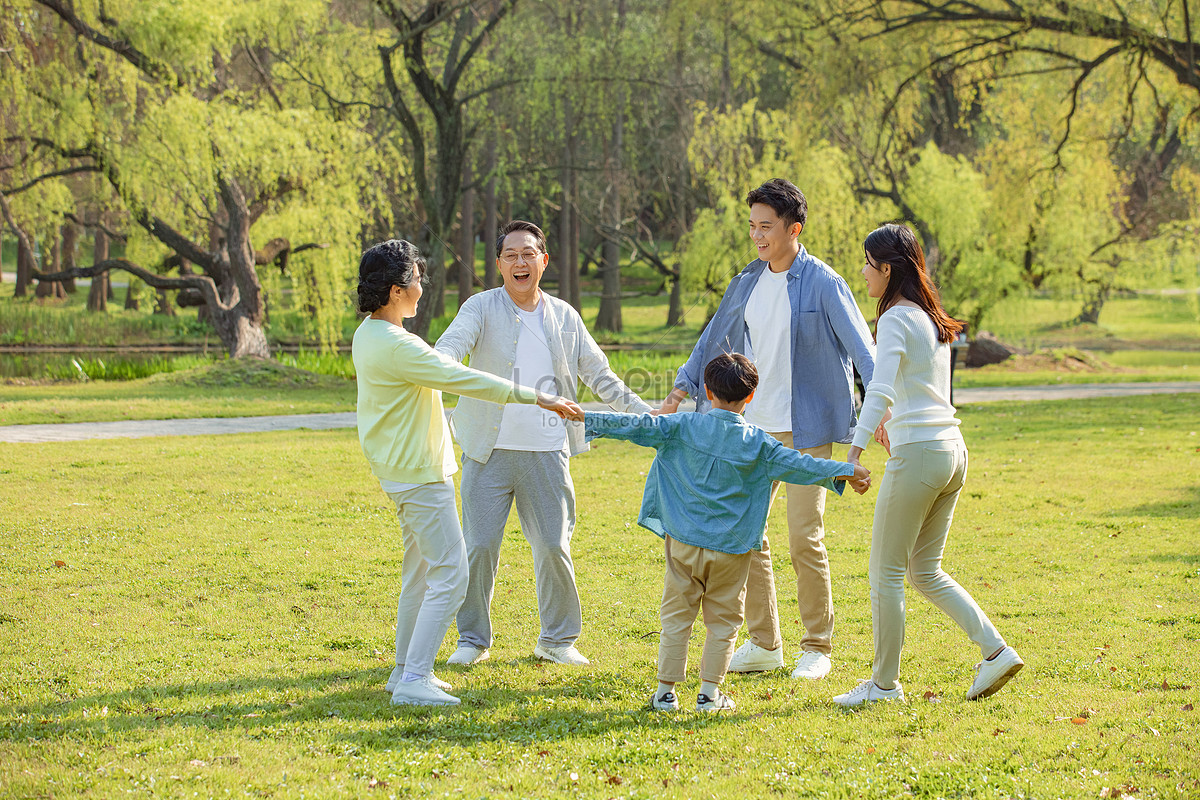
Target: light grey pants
{"points": [[433, 574], [540, 484], [913, 512]]}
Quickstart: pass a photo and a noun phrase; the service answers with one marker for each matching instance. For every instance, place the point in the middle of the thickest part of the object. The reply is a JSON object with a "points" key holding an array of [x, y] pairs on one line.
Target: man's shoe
{"points": [[666, 702], [561, 655], [752, 658], [467, 654], [398, 673], [868, 692], [812, 665], [991, 675], [721, 702], [421, 693]]}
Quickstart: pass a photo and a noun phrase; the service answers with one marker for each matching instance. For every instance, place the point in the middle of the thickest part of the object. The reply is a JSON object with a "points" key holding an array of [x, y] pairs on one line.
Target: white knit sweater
{"points": [[912, 376]]}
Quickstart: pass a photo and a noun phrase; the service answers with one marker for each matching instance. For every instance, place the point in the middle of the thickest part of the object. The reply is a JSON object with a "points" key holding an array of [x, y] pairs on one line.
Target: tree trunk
{"points": [[1090, 313], [51, 288], [24, 269], [98, 294], [567, 275], [131, 295], [427, 308], [466, 258], [675, 307], [572, 258], [609, 317], [70, 240], [491, 228]]}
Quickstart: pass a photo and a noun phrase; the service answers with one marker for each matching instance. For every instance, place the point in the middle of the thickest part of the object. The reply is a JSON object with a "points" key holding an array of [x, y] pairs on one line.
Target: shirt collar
{"points": [[724, 414]]}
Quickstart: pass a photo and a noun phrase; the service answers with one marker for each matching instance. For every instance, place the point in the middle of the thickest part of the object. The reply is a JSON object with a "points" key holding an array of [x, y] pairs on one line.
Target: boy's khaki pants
{"points": [[700, 579]]}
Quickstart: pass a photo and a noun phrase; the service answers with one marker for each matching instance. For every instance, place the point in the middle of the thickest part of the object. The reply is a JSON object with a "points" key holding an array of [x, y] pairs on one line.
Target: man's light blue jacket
{"points": [[828, 333], [710, 484]]}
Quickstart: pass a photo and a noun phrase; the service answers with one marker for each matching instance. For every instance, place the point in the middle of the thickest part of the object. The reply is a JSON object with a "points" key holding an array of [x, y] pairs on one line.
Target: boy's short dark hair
{"points": [[521, 225], [783, 196], [731, 377]]}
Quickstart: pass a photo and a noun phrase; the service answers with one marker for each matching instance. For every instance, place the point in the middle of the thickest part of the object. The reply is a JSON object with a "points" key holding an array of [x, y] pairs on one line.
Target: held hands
{"points": [[567, 409], [671, 403], [860, 481]]}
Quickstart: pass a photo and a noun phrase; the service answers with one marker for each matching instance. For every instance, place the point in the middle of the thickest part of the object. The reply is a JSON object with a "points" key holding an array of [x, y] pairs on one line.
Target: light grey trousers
{"points": [[433, 574], [540, 484], [913, 512]]}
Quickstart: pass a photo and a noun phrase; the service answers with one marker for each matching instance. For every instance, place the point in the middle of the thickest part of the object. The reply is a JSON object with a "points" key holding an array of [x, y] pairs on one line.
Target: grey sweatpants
{"points": [[540, 484]]}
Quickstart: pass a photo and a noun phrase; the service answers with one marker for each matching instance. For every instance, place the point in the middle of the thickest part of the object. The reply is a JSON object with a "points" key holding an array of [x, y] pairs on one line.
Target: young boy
{"points": [[707, 495]]}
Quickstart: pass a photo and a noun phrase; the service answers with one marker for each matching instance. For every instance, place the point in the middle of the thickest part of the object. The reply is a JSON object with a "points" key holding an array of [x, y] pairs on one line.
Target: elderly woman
{"points": [[925, 472], [404, 436]]}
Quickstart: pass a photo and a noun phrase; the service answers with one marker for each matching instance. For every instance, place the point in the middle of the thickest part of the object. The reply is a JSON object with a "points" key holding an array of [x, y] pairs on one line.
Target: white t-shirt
{"points": [[769, 320], [528, 427]]}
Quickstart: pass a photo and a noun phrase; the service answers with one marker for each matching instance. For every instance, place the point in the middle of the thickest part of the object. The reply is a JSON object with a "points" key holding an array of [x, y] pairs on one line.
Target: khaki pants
{"points": [[912, 519], [699, 578], [810, 561]]}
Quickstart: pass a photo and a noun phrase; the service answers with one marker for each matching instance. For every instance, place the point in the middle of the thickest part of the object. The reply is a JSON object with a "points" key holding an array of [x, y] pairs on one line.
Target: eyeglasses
{"points": [[511, 257]]}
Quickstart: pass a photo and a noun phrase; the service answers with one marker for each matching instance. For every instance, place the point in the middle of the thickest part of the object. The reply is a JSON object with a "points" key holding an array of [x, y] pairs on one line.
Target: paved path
{"points": [[136, 429]]}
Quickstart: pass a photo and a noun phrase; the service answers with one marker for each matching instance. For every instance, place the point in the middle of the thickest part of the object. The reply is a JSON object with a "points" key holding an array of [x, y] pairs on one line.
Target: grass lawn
{"points": [[221, 624], [229, 388]]}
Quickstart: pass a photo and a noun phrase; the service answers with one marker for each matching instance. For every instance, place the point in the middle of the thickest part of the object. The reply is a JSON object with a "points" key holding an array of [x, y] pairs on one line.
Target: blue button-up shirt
{"points": [[828, 333], [710, 484]]}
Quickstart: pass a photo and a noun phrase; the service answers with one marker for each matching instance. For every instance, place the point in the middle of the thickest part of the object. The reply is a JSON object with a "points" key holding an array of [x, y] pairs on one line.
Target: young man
{"points": [[707, 495], [797, 320], [520, 331]]}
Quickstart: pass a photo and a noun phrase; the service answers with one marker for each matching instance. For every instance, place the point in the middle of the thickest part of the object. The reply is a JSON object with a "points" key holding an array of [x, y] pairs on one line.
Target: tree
{"points": [[190, 129], [438, 45]]}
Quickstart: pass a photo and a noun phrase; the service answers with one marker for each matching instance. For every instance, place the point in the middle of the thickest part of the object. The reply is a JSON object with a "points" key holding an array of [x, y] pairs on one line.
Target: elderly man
{"points": [[521, 333]]}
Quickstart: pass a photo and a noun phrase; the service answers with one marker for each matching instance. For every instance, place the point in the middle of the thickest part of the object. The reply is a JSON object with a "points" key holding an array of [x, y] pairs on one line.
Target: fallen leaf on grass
{"points": [[1187, 707], [1079, 720], [615, 780], [932, 696], [870, 749], [60, 563], [375, 783]]}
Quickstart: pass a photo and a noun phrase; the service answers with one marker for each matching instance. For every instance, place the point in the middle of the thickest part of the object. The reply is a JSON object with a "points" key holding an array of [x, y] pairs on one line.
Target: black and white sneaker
{"points": [[664, 702], [721, 702]]}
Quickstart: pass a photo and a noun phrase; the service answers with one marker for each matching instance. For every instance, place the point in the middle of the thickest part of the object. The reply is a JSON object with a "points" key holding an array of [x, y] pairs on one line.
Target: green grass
{"points": [[242, 388], [222, 620]]}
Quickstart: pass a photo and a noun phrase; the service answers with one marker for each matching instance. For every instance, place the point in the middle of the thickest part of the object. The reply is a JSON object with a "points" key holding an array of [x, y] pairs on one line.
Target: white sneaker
{"points": [[561, 655], [666, 702], [868, 692], [991, 675], [812, 665], [398, 673], [721, 702], [421, 693], [752, 658], [467, 654]]}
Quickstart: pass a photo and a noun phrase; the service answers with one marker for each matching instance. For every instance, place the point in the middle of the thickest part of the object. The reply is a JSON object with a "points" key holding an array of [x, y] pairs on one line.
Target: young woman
{"points": [[403, 431], [925, 471]]}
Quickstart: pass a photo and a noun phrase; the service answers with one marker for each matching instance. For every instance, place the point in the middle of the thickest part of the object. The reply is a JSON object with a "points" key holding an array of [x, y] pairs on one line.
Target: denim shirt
{"points": [[710, 484], [486, 328], [828, 333]]}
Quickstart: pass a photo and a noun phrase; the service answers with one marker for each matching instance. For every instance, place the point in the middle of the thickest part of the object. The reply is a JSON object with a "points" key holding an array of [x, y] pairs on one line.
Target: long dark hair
{"points": [[395, 262], [897, 246]]}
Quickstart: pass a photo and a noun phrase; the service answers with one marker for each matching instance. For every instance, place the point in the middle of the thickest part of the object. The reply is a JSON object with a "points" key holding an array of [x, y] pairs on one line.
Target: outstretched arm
{"points": [[647, 430]]}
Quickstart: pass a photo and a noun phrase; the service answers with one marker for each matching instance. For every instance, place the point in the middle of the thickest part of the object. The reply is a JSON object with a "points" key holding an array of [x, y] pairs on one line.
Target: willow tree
{"points": [[1125, 86], [176, 106]]}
